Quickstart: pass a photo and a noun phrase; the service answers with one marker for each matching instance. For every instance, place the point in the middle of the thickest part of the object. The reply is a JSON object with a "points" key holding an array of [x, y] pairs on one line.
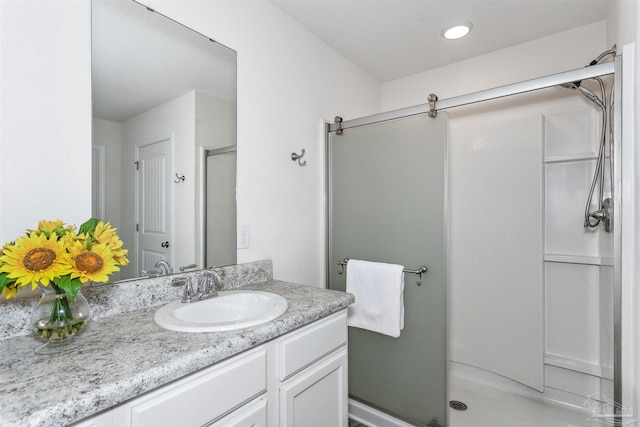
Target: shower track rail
{"points": [[603, 69]]}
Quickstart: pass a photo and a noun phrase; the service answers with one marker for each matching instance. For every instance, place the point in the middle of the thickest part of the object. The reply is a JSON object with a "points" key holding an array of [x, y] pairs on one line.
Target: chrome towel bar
{"points": [[418, 271]]}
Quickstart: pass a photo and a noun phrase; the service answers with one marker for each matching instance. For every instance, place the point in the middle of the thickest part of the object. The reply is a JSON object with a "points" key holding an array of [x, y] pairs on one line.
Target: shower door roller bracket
{"points": [[338, 121], [432, 105]]}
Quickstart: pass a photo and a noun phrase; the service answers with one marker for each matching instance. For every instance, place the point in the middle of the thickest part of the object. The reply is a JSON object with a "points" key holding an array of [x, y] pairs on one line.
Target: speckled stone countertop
{"points": [[125, 354]]}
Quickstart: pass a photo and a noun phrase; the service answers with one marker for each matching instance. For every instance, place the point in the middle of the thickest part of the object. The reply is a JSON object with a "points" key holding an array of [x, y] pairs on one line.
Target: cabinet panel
{"points": [[102, 420], [317, 397], [302, 348], [202, 398], [253, 414]]}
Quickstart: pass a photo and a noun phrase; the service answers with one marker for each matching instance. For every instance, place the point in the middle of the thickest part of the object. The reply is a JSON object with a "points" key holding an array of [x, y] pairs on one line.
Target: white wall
{"points": [[623, 22], [559, 52], [288, 83], [109, 135], [45, 114]]}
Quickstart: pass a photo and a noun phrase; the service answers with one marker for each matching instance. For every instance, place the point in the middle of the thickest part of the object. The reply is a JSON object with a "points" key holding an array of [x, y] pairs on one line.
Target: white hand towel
{"points": [[379, 292]]}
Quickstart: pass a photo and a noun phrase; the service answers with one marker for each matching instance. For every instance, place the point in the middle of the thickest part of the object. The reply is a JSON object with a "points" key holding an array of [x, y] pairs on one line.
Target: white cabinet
{"points": [[299, 379], [301, 348], [317, 398], [312, 370], [200, 398]]}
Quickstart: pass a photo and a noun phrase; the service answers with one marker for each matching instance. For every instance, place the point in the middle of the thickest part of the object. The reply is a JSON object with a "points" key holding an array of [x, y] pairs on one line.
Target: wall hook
{"points": [[179, 179], [297, 157]]}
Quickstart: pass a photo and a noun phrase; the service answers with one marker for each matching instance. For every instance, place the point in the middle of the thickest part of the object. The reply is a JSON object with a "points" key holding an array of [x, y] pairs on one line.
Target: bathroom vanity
{"points": [[300, 376], [130, 372]]}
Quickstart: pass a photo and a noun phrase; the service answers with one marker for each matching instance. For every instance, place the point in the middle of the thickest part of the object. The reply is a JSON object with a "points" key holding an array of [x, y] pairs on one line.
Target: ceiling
{"points": [[141, 59], [391, 39]]}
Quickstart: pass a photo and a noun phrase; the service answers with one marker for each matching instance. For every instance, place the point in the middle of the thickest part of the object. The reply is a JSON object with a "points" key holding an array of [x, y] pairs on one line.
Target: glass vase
{"points": [[57, 319]]}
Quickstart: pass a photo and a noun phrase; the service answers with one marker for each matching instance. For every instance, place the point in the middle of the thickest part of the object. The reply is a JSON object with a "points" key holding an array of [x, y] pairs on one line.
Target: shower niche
{"points": [[578, 265]]}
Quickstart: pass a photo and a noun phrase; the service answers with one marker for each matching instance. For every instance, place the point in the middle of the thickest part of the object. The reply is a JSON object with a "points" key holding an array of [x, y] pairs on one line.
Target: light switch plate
{"points": [[244, 236]]}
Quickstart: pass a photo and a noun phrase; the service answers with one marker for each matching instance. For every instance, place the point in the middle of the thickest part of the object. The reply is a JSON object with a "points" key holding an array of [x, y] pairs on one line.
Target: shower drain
{"points": [[457, 405]]}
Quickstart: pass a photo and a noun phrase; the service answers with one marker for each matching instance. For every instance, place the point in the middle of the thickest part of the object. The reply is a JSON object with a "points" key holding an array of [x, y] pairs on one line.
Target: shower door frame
{"points": [[608, 68]]}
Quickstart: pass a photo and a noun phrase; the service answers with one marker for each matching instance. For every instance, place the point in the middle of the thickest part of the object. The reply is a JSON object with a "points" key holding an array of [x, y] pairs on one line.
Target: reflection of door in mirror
{"points": [[154, 205], [221, 206]]}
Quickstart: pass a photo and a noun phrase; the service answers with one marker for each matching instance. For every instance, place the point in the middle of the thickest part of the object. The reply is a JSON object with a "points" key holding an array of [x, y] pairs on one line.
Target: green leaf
{"points": [[69, 286], [4, 281], [89, 226]]}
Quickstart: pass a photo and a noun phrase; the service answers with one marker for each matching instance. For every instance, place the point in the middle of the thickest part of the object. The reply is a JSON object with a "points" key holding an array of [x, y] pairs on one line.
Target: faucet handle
{"points": [[188, 294], [153, 272], [210, 281], [179, 281]]}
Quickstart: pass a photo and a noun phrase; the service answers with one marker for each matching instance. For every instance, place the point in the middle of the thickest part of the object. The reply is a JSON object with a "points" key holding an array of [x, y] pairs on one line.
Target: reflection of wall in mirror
{"points": [[108, 134], [194, 119]]}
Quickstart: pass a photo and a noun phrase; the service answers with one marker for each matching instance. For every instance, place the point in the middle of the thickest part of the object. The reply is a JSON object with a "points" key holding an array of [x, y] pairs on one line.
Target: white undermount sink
{"points": [[228, 311]]}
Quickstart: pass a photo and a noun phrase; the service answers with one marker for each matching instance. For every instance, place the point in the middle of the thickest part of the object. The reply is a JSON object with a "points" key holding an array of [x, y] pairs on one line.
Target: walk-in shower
{"points": [[386, 206]]}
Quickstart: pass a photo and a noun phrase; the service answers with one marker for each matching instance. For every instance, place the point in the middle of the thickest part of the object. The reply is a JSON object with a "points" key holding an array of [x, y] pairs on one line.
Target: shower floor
{"points": [[489, 407]]}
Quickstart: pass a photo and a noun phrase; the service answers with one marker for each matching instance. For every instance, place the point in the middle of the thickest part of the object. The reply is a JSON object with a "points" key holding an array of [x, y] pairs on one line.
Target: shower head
{"points": [[577, 85], [591, 96], [571, 85]]}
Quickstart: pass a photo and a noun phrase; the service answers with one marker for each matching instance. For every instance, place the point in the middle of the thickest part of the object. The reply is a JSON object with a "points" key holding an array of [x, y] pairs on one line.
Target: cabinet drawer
{"points": [[253, 414], [201, 399], [301, 348]]}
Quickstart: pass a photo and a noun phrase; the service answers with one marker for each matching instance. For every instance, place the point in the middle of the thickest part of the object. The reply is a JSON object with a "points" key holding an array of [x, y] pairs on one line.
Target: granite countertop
{"points": [[126, 354]]}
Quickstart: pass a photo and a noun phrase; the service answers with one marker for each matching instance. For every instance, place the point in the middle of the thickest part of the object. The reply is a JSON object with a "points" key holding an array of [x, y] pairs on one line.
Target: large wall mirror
{"points": [[164, 139]]}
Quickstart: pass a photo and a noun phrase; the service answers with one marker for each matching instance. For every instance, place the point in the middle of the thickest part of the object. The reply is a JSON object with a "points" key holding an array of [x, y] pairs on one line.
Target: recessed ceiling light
{"points": [[456, 31]]}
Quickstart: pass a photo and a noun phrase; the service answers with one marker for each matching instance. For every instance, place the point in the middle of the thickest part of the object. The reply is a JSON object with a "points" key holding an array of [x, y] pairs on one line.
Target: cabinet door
{"points": [[317, 397]]}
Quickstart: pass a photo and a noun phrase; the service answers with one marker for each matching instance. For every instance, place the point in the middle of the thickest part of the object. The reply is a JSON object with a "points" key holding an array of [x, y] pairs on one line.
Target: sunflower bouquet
{"points": [[56, 255]]}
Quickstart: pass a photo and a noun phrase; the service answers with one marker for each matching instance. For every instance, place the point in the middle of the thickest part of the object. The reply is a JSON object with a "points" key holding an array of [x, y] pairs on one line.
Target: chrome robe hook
{"points": [[297, 157]]}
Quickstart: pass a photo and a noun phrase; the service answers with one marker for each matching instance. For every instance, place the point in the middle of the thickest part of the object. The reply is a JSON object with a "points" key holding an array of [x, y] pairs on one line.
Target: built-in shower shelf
{"points": [[572, 157], [576, 365], [579, 259]]}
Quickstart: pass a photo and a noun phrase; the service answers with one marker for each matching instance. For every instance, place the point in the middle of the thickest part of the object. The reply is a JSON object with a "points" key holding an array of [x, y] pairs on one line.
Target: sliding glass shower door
{"points": [[387, 203]]}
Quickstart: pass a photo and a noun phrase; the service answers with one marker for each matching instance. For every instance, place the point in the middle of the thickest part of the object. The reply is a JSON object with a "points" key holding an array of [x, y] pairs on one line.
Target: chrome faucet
{"points": [[207, 286], [164, 266]]}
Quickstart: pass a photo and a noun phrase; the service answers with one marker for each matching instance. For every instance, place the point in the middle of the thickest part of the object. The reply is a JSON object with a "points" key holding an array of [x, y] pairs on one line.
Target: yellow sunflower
{"points": [[10, 290], [34, 259], [71, 238], [48, 227], [95, 264], [104, 233]]}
